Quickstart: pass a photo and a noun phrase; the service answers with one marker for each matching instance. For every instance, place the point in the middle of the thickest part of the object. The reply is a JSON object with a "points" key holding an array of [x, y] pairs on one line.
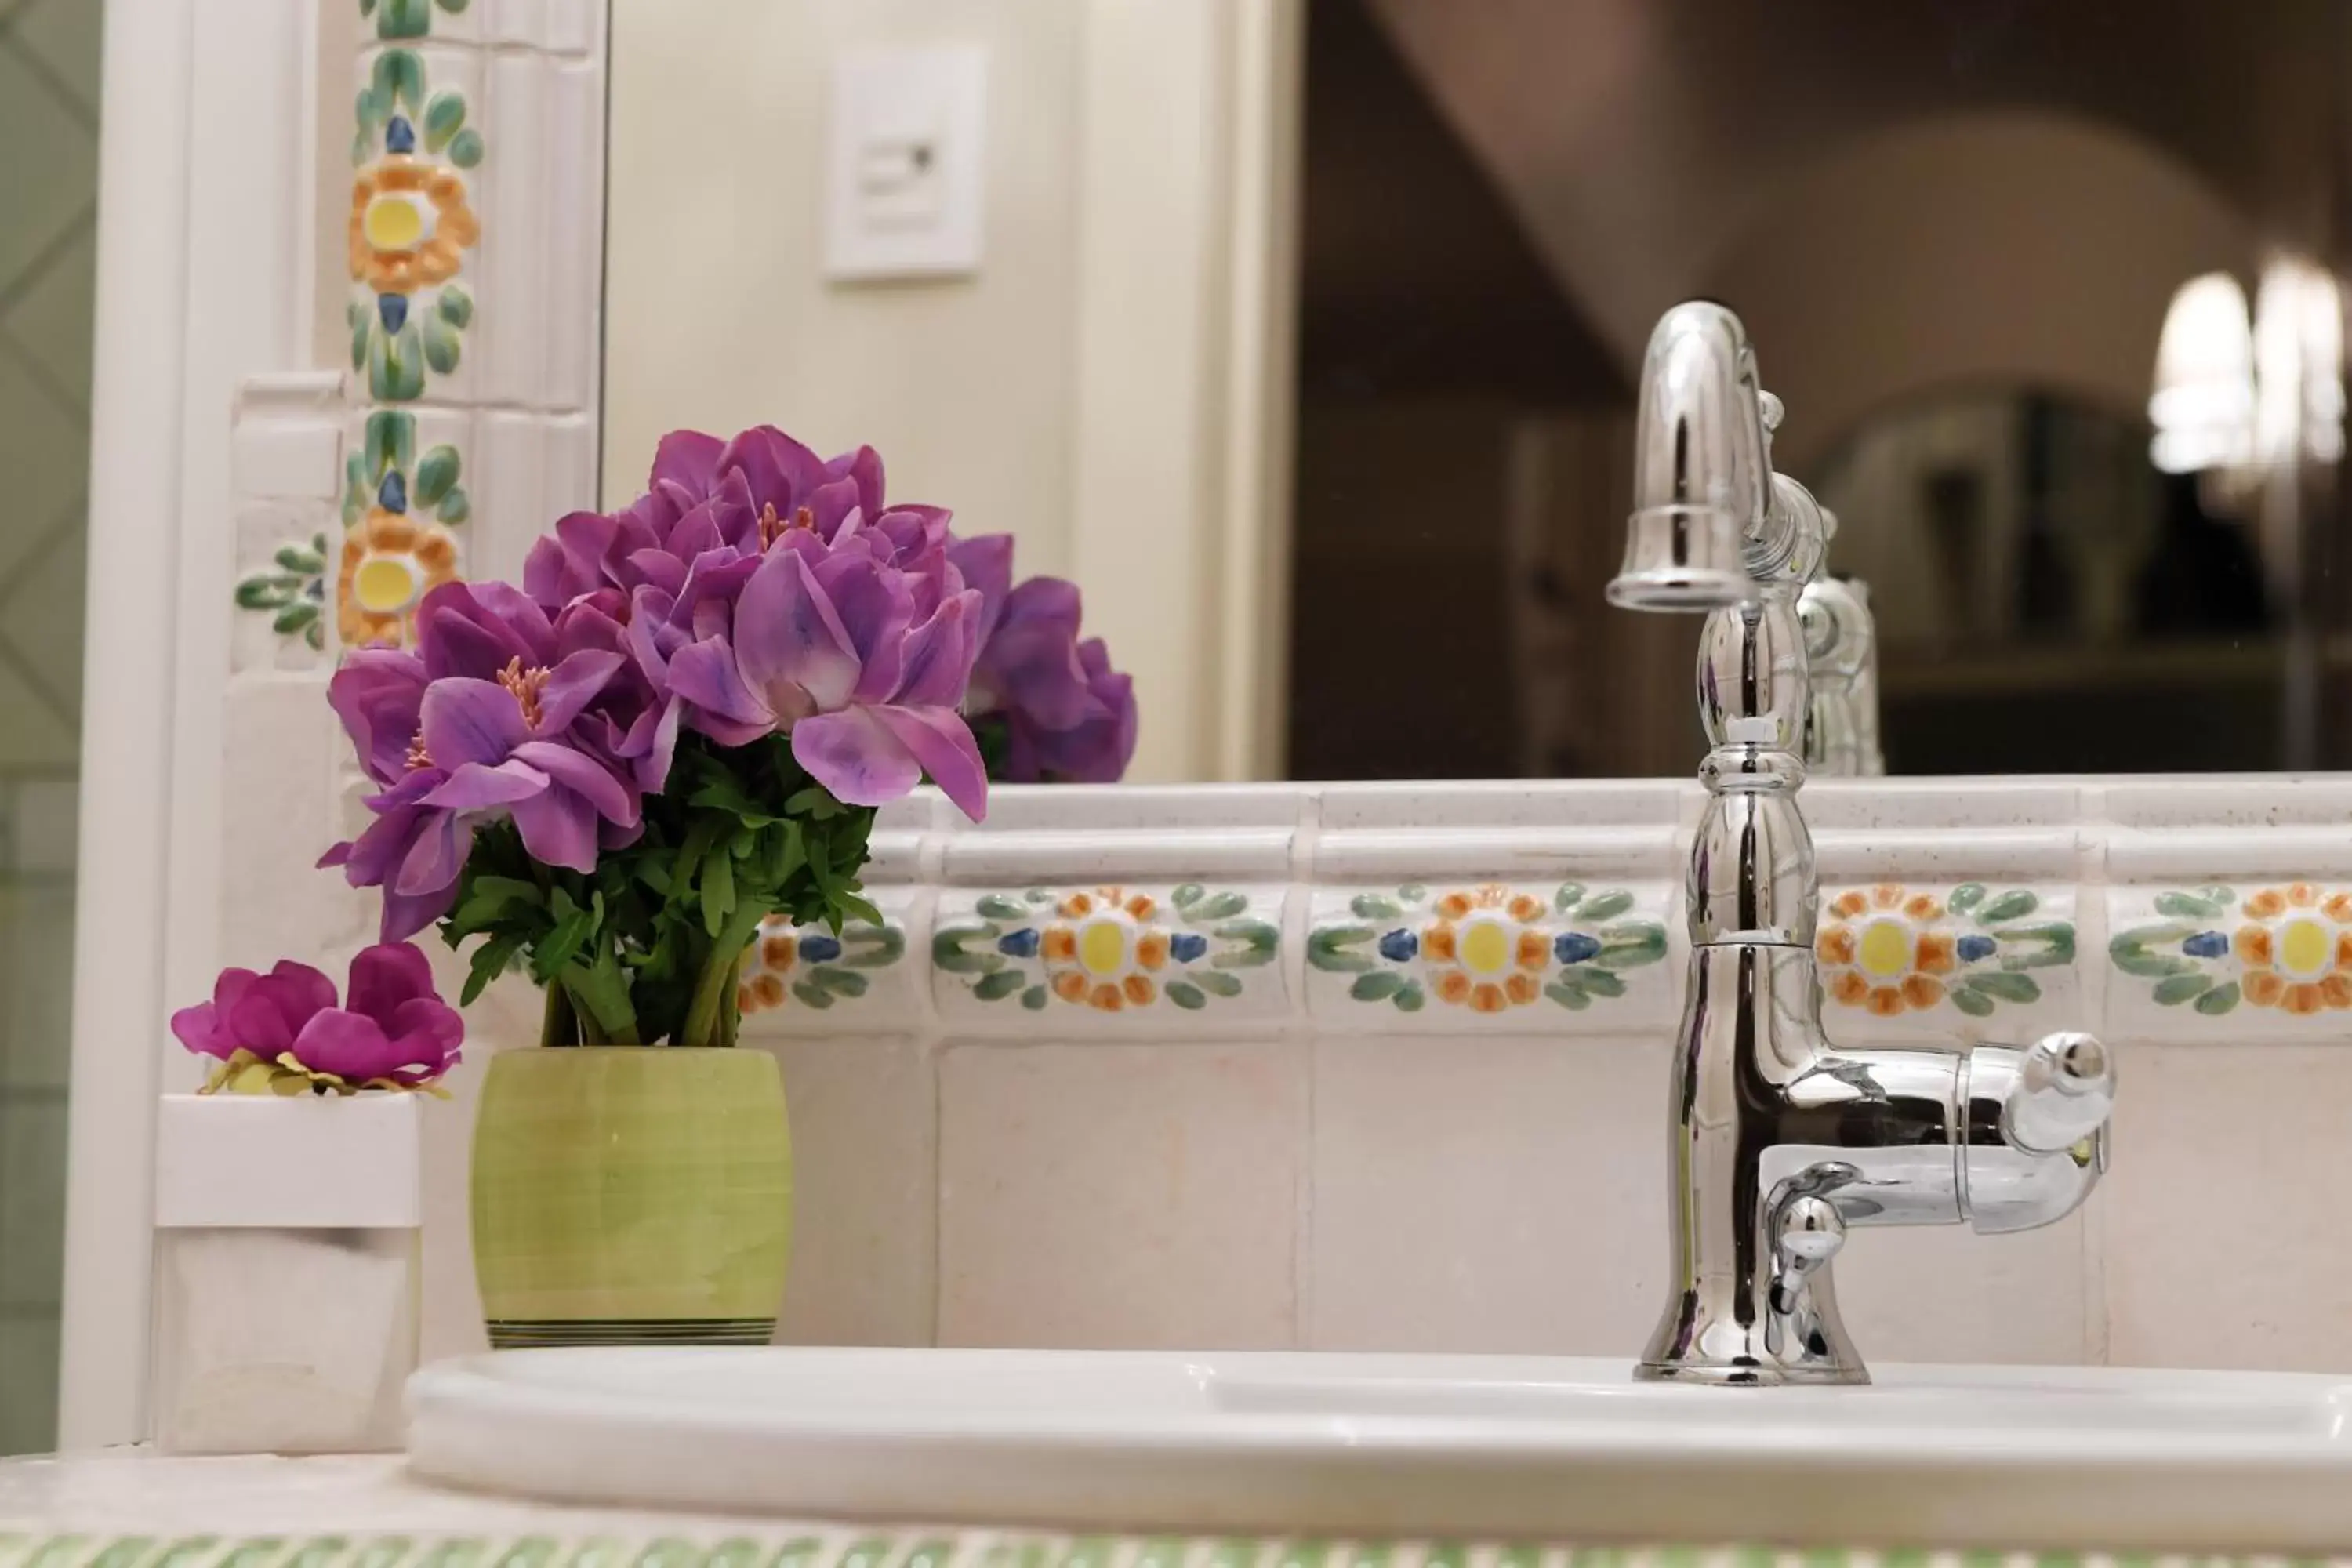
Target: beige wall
{"points": [[717, 313]]}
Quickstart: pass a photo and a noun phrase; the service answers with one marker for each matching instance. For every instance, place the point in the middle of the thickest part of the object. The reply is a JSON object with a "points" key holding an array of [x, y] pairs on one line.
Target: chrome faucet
{"points": [[1841, 663], [1780, 1141]]}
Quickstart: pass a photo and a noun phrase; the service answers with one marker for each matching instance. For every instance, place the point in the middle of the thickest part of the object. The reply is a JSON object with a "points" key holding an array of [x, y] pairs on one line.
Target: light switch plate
{"points": [[905, 154]]}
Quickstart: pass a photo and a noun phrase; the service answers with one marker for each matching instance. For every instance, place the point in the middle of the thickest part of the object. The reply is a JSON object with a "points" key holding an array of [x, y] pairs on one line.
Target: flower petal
{"points": [[936, 666], [572, 684], [559, 828], [786, 633], [384, 976], [425, 1034], [433, 860], [584, 776], [477, 788], [687, 458], [855, 756], [943, 742], [874, 607], [471, 721], [986, 563], [707, 673], [376, 694], [346, 1044]]}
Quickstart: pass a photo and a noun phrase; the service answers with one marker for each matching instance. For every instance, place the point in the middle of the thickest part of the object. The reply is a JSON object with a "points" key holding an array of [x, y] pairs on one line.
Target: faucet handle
{"points": [[2065, 1089], [2033, 1130]]}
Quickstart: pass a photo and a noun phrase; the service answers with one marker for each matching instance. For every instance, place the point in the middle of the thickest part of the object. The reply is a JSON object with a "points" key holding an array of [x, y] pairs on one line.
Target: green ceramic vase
{"points": [[631, 1196]]}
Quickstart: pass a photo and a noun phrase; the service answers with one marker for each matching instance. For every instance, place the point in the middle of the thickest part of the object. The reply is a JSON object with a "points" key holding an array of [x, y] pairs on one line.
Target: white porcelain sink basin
{"points": [[1361, 1445]]}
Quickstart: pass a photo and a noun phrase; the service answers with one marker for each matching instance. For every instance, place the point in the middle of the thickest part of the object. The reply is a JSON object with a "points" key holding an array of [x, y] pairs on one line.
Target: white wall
{"points": [[719, 316], [1113, 385]]}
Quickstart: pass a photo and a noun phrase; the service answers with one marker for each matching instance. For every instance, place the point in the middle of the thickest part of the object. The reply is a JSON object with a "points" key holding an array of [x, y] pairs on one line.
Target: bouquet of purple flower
{"points": [[682, 722]]}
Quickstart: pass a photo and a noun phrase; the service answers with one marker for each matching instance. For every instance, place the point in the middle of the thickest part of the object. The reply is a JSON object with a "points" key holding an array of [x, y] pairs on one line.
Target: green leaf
{"points": [[454, 507], [1377, 986], [295, 617], [816, 803], [362, 328], [390, 442], [399, 76], [435, 473], [718, 889], [1569, 895], [315, 634], [2012, 905], [440, 345], [1591, 978], [1568, 996], [455, 305], [1966, 897], [466, 149], [874, 946], [1970, 1001], [2173, 990], [1326, 949], [265, 592], [948, 953], [1215, 907], [442, 118], [490, 962], [1375, 907], [2218, 1000], [997, 986], [997, 907], [842, 982], [294, 558], [1188, 894], [1411, 999], [815, 996], [1034, 998], [1216, 982], [2005, 987], [1258, 940], [403, 19], [488, 898], [2055, 942], [1186, 997], [1605, 906], [455, 7], [396, 365], [1632, 945]]}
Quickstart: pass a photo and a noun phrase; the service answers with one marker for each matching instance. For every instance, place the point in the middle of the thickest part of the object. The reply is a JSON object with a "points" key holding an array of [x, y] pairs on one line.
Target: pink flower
{"points": [[393, 1027]]}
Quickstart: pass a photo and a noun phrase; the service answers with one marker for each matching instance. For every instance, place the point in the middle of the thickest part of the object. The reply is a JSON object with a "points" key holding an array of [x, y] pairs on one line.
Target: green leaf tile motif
{"points": [[291, 591], [1109, 949], [1488, 948], [1889, 950], [2287, 947], [811, 966]]}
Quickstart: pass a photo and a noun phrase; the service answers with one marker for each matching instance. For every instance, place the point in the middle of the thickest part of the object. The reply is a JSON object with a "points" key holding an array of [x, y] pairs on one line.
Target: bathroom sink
{"points": [[1362, 1445]]}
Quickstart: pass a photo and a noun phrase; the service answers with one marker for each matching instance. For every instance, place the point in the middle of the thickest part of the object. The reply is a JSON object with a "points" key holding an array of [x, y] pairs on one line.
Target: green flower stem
{"points": [[560, 1024], [711, 1018]]}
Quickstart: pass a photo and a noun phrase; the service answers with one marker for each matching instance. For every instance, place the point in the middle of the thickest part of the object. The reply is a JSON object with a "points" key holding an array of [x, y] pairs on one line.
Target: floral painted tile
{"points": [[1099, 951], [401, 510], [809, 966], [1378, 957], [1976, 948], [2281, 952]]}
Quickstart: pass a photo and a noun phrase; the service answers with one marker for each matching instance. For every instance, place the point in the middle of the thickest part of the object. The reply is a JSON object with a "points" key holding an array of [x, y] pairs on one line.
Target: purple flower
{"points": [[1068, 716], [824, 644], [393, 1026]]}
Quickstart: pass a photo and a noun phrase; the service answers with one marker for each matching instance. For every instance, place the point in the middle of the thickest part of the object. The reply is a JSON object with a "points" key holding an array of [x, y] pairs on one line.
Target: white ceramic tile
{"points": [[1121, 1195], [995, 858], [508, 480], [1939, 805], [1490, 1194], [2014, 854], [575, 273], [2252, 800], [1461, 957], [263, 528], [2245, 962], [1504, 803], [1926, 961], [864, 1117], [1943, 1293], [2225, 1242], [32, 1201], [1148, 810], [1131, 959], [510, 326], [278, 820]]}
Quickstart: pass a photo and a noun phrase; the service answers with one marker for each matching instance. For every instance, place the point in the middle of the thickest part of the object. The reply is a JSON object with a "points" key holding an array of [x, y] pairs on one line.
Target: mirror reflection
{"points": [[1306, 339]]}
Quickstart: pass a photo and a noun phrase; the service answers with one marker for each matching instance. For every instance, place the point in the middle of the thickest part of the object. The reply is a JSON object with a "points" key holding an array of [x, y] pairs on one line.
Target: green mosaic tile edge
{"points": [[786, 1548]]}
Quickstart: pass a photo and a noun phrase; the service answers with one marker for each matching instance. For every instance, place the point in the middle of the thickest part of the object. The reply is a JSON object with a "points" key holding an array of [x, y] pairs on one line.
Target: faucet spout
{"points": [[1782, 1143]]}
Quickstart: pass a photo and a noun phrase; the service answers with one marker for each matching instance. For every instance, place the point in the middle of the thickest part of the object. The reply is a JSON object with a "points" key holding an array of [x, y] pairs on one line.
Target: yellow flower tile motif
{"points": [[410, 225], [1890, 950], [390, 562], [2287, 947], [1484, 950], [1489, 948], [1109, 949]]}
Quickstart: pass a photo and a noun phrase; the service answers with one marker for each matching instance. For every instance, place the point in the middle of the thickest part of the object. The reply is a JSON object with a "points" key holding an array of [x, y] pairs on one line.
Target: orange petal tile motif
{"points": [[1490, 949], [1111, 950], [1888, 949], [2210, 948]]}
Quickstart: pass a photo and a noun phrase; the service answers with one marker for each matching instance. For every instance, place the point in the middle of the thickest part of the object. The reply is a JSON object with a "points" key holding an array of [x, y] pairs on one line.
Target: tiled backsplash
{"points": [[1355, 1067]]}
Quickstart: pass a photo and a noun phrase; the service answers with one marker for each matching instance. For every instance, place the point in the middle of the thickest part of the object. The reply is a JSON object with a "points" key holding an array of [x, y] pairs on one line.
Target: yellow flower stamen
{"points": [[418, 757], [526, 685]]}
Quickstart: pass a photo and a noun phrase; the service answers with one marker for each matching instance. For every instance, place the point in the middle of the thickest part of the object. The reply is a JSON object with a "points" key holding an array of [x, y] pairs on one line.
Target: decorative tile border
{"points": [[1487, 949], [1548, 908], [1096, 953], [707, 1544]]}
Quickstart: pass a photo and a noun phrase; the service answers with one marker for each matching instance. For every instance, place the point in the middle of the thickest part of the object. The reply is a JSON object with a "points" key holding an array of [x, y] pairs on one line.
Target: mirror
{"points": [[1306, 335]]}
